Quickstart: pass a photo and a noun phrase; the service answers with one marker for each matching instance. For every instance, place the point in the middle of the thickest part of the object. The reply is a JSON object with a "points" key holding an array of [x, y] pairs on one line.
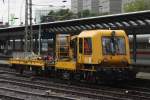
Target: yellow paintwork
{"points": [[30, 62], [97, 55], [68, 65]]}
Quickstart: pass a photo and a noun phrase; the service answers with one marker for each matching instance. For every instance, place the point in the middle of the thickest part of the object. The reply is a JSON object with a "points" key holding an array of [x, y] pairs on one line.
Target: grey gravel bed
{"points": [[34, 90]]}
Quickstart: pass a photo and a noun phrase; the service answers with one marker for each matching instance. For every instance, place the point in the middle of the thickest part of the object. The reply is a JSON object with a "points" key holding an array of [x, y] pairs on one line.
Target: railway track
{"points": [[144, 89], [6, 97], [31, 95], [24, 91], [141, 86], [100, 92], [60, 89]]}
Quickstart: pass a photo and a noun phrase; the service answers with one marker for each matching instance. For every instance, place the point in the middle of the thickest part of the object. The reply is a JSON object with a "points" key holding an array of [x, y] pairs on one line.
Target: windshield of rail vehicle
{"points": [[113, 46]]}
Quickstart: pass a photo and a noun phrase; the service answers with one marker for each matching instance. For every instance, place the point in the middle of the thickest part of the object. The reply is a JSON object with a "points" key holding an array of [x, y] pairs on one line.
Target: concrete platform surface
{"points": [[3, 62], [141, 62], [143, 75]]}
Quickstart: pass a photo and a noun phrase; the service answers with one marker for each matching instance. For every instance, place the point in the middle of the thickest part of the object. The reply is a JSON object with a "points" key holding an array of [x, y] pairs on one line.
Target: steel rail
{"points": [[34, 94], [118, 92], [92, 93], [6, 97]]}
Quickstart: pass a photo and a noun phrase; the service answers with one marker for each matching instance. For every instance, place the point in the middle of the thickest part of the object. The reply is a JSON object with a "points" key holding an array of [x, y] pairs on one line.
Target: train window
{"points": [[87, 46], [115, 46], [80, 45]]}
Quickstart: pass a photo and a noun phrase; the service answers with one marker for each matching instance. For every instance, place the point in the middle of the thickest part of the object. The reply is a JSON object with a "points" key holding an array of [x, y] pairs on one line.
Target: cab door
{"points": [[80, 50]]}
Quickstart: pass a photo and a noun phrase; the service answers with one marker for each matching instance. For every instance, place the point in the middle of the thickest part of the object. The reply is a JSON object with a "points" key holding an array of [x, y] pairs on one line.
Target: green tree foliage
{"points": [[62, 14], [66, 14], [137, 5], [86, 13], [51, 12]]}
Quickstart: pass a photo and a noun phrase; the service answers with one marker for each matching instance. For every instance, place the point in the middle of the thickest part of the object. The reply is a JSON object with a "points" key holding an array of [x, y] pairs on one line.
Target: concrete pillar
{"points": [[134, 47], [21, 44], [14, 44], [54, 45], [1, 45], [40, 41], [35, 47], [6, 45]]}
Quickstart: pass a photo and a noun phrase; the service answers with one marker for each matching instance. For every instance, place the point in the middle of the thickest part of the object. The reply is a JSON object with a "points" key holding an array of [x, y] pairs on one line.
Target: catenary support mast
{"points": [[26, 27], [31, 31], [28, 33]]}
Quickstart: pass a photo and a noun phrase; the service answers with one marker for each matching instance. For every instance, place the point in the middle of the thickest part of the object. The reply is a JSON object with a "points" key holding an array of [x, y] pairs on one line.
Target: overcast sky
{"points": [[17, 7]]}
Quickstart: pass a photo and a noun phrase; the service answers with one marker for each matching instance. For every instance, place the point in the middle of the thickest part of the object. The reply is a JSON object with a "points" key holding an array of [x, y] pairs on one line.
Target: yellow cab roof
{"points": [[91, 33]]}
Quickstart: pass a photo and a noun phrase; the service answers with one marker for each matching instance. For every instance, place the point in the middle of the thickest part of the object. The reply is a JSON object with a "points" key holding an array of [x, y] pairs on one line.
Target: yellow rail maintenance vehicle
{"points": [[97, 55], [92, 55], [29, 61]]}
